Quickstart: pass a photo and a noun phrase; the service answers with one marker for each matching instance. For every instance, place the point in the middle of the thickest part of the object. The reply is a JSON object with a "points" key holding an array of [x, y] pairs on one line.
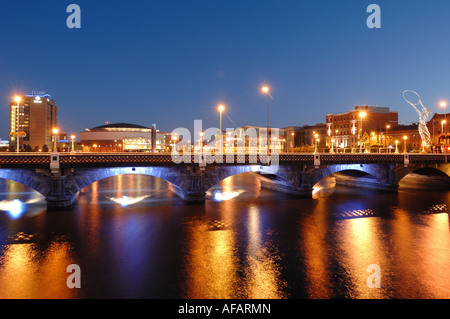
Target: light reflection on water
{"points": [[133, 238]]}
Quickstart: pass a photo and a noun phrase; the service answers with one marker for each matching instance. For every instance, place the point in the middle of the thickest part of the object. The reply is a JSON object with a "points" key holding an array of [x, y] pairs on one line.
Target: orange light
{"points": [[221, 108], [443, 104], [55, 131], [362, 114], [17, 99], [265, 89]]}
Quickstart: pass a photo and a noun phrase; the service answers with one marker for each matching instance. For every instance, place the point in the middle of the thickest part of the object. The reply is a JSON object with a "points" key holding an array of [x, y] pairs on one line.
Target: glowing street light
{"points": [[444, 105], [386, 139], [17, 99], [55, 132], [361, 115], [265, 89], [72, 138], [221, 108], [404, 139], [316, 139], [396, 147]]}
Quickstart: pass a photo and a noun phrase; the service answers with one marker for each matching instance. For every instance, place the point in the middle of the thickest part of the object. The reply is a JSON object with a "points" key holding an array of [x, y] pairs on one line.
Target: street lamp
{"points": [[221, 109], [17, 99], [201, 138], [316, 136], [386, 138], [361, 115], [332, 146], [396, 147], [405, 138], [55, 131], [265, 89], [72, 138], [444, 105]]}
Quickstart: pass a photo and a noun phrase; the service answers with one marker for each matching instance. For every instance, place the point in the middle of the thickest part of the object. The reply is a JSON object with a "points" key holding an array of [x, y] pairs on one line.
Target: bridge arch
{"points": [[423, 176], [380, 173], [27, 177], [277, 178], [85, 177]]}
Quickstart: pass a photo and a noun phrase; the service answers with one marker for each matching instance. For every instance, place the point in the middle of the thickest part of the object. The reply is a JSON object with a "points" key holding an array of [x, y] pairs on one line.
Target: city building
{"points": [[32, 117], [4, 145], [438, 128], [303, 138], [348, 130], [253, 138], [123, 137]]}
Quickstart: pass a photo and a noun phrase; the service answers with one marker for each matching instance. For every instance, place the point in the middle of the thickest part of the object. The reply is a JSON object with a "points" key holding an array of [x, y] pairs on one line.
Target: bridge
{"points": [[59, 177]]}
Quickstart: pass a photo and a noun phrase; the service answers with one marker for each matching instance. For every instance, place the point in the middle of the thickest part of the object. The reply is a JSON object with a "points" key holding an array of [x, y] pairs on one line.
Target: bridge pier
{"points": [[57, 197]]}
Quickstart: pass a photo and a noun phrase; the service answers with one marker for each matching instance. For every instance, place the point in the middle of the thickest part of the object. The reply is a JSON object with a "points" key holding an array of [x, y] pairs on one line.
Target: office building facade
{"points": [[32, 118]]}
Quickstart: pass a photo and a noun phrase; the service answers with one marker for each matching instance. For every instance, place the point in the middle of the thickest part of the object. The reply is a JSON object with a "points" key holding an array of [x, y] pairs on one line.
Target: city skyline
{"points": [[147, 57]]}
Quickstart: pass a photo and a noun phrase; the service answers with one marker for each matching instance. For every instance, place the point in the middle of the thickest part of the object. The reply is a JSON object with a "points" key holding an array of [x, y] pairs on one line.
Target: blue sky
{"points": [[170, 62]]}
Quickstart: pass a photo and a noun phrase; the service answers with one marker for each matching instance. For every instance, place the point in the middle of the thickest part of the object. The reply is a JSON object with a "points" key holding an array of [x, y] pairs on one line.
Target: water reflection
{"points": [[133, 238]]}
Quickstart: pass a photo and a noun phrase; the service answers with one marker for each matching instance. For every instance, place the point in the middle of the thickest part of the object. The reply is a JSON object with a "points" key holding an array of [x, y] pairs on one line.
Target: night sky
{"points": [[171, 62]]}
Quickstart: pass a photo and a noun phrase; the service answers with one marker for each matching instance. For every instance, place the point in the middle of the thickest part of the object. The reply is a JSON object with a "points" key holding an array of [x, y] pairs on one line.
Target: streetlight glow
{"points": [[265, 89]]}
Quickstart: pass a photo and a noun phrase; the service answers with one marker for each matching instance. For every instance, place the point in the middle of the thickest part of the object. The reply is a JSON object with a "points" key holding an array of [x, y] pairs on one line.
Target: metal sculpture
{"points": [[424, 114]]}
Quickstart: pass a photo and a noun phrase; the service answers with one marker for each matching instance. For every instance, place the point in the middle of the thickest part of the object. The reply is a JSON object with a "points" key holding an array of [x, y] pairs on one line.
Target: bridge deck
{"points": [[67, 160]]}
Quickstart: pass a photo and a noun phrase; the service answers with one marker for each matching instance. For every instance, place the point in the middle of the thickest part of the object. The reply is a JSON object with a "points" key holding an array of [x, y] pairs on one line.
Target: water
{"points": [[133, 238]]}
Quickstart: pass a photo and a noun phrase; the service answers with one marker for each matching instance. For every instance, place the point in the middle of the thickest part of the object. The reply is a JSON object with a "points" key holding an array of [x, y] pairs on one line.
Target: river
{"points": [[133, 238]]}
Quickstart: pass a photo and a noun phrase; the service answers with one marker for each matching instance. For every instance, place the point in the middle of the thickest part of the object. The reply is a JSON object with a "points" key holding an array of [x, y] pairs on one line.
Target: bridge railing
{"points": [[67, 160], [27, 160]]}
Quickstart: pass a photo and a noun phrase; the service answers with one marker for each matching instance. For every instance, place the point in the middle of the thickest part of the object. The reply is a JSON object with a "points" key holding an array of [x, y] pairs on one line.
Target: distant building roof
{"points": [[120, 125]]}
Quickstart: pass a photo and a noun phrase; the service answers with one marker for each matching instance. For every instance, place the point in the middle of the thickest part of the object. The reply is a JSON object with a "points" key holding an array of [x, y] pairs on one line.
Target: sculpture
{"points": [[423, 118]]}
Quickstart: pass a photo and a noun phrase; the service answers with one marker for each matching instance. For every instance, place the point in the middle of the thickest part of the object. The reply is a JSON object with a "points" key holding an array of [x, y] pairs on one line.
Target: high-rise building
{"points": [[33, 117]]}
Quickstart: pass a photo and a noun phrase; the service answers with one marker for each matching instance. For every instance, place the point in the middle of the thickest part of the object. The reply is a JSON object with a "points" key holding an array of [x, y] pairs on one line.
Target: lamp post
{"points": [[265, 89], [396, 147], [55, 132], [444, 105], [221, 109], [404, 139], [332, 146], [361, 115], [174, 138], [17, 99], [72, 138], [293, 141], [442, 131], [316, 138], [201, 140], [387, 136]]}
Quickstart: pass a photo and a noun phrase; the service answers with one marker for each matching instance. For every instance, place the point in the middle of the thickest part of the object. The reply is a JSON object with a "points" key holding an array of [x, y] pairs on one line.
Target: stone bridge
{"points": [[60, 176]]}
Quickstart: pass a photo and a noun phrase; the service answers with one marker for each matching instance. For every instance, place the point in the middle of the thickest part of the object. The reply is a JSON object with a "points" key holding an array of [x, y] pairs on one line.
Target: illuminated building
{"points": [[33, 117], [347, 129], [122, 137], [254, 138]]}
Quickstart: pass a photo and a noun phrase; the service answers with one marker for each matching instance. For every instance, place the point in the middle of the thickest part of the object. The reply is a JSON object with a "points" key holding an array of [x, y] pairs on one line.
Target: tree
{"points": [[45, 148]]}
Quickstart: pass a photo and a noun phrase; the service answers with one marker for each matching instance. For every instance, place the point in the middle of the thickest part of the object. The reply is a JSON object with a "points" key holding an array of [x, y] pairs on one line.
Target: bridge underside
{"points": [[61, 187]]}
